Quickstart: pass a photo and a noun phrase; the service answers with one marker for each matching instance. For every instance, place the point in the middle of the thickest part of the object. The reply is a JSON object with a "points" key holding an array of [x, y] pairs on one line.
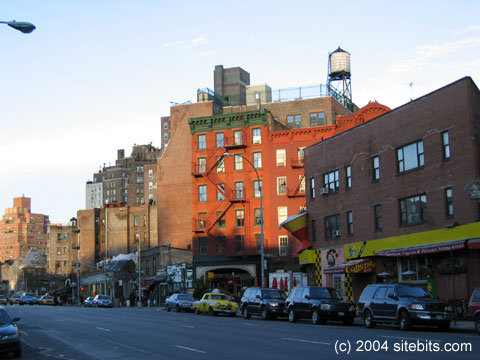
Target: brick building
{"points": [[62, 250], [396, 198], [21, 230]]}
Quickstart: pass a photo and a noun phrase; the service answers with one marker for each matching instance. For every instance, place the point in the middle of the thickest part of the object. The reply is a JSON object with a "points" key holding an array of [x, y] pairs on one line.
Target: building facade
{"points": [[396, 199], [21, 230]]}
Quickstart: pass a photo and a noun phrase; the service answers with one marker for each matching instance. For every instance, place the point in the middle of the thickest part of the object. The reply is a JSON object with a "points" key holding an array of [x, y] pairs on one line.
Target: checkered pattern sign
{"points": [[318, 268]]}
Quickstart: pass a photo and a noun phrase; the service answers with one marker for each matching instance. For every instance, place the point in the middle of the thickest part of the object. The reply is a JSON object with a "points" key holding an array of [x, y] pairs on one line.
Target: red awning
{"points": [[352, 267], [474, 243], [423, 249]]}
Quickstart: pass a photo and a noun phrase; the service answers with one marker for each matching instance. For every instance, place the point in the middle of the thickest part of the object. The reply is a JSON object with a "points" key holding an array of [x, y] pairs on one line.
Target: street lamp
{"points": [[260, 185], [22, 26]]}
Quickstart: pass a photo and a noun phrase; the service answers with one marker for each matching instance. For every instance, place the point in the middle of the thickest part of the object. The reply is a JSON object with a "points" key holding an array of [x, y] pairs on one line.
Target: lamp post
{"points": [[139, 276], [22, 26], [260, 186]]}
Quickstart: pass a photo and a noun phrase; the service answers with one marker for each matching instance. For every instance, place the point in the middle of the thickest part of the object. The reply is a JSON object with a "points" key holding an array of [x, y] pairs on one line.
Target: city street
{"points": [[130, 333]]}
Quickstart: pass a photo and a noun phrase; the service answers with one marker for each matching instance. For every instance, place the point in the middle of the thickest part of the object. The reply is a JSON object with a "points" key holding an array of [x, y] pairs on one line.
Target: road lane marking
{"points": [[24, 332], [408, 338], [250, 324], [190, 349], [307, 341], [187, 326], [99, 328]]}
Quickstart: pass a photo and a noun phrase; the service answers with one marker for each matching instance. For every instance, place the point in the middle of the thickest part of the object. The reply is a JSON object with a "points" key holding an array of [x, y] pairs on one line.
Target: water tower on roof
{"points": [[339, 77]]}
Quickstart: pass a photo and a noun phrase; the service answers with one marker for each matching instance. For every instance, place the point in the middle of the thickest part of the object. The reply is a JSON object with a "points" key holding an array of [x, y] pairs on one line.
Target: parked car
{"points": [[215, 303], [180, 302], [102, 301], [9, 334], [320, 304], [88, 302], [3, 300], [268, 303], [26, 300], [15, 299], [404, 305], [474, 309], [47, 300]]}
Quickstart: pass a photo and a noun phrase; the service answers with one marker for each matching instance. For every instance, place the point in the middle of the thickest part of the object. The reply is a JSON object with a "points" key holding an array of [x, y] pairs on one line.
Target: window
{"points": [[301, 188], [165, 126], [281, 157], [239, 190], [203, 245], [413, 209], [376, 167], [281, 185], [150, 185], [219, 140], [202, 193], [150, 173], [135, 221], [140, 180], [222, 244], [258, 242], [301, 155], [317, 118], [59, 251], [257, 188], [446, 145], [221, 221], [348, 176], [410, 156], [282, 214], [312, 188], [257, 213], [240, 218], [283, 245], [294, 121], [220, 192], [140, 169], [332, 226], [239, 242], [202, 165], [237, 137], [238, 162], [202, 142], [220, 165], [256, 136], [449, 201], [378, 217], [331, 181], [350, 222], [257, 160], [202, 221]]}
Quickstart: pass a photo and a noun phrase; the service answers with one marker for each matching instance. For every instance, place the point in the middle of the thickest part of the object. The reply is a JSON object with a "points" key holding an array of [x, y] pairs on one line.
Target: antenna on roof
{"points": [[411, 90]]}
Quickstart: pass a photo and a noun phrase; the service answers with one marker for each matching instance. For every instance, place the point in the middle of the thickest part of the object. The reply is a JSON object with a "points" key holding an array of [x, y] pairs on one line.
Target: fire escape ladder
{"points": [[217, 218], [296, 192], [214, 233]]}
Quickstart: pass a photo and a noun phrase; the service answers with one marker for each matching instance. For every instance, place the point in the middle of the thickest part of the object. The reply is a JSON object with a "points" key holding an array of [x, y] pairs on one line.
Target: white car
{"points": [[102, 301]]}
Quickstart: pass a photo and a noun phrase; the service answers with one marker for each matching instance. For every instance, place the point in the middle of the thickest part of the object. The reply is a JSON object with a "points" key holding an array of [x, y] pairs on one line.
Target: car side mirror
{"points": [[307, 297], [16, 319], [392, 296], [258, 297]]}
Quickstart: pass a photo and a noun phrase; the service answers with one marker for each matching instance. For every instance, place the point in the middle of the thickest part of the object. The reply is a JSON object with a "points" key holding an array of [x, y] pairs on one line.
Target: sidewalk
{"points": [[459, 325]]}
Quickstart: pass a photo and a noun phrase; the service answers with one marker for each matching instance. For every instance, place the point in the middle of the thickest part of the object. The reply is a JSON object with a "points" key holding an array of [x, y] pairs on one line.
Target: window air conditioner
{"points": [[323, 191], [336, 233]]}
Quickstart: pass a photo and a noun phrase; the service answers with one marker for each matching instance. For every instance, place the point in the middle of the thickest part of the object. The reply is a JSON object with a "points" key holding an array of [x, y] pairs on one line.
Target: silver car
{"points": [[102, 301]]}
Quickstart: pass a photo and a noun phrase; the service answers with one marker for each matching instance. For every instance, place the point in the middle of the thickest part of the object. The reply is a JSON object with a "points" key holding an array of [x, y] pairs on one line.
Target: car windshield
{"points": [[218, 297], [272, 294], [408, 291], [4, 318], [186, 297], [324, 293], [103, 297]]}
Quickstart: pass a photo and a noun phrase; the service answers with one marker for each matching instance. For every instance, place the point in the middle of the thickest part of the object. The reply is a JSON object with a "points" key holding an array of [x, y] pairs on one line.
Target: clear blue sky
{"points": [[97, 75]]}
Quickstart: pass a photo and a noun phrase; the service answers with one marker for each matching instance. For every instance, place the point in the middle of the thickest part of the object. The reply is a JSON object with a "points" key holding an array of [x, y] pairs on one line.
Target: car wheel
{"points": [[168, 308], [477, 325], [405, 321], [264, 314], [210, 311], [368, 319], [246, 314], [177, 308], [315, 317], [17, 353], [197, 312], [291, 316]]}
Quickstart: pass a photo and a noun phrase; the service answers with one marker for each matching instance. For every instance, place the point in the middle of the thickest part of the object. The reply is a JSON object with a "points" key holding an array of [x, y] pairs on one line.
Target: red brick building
{"points": [[22, 230], [397, 198]]}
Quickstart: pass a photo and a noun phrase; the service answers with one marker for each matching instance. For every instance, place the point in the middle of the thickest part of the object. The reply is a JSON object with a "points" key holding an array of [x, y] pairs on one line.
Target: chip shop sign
{"points": [[361, 267]]}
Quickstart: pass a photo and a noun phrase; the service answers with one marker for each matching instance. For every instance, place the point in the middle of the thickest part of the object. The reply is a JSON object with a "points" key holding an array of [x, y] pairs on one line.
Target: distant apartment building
{"points": [[124, 182], [396, 199], [63, 246], [166, 132], [21, 230]]}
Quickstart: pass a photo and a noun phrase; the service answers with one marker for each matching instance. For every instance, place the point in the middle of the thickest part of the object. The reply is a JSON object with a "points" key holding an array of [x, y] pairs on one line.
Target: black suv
{"points": [[403, 304], [320, 304], [268, 303]]}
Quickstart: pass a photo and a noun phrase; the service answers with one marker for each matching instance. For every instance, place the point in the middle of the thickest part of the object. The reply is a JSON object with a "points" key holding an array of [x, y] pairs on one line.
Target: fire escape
{"points": [[210, 169], [299, 190]]}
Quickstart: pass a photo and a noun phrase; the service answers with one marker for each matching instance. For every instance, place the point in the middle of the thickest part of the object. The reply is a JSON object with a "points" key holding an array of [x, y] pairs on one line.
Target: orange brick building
{"points": [[22, 230]]}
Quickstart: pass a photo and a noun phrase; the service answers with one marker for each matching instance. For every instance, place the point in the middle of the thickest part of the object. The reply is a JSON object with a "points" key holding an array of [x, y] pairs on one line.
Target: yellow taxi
{"points": [[214, 304]]}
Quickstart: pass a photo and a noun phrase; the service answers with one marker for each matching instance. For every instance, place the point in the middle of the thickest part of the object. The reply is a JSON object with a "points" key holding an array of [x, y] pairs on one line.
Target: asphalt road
{"points": [[129, 333]]}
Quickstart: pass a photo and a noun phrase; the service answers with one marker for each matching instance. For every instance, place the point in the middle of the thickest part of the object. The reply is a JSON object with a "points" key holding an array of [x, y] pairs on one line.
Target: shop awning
{"points": [[352, 267], [297, 226], [423, 249], [147, 283], [474, 243]]}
